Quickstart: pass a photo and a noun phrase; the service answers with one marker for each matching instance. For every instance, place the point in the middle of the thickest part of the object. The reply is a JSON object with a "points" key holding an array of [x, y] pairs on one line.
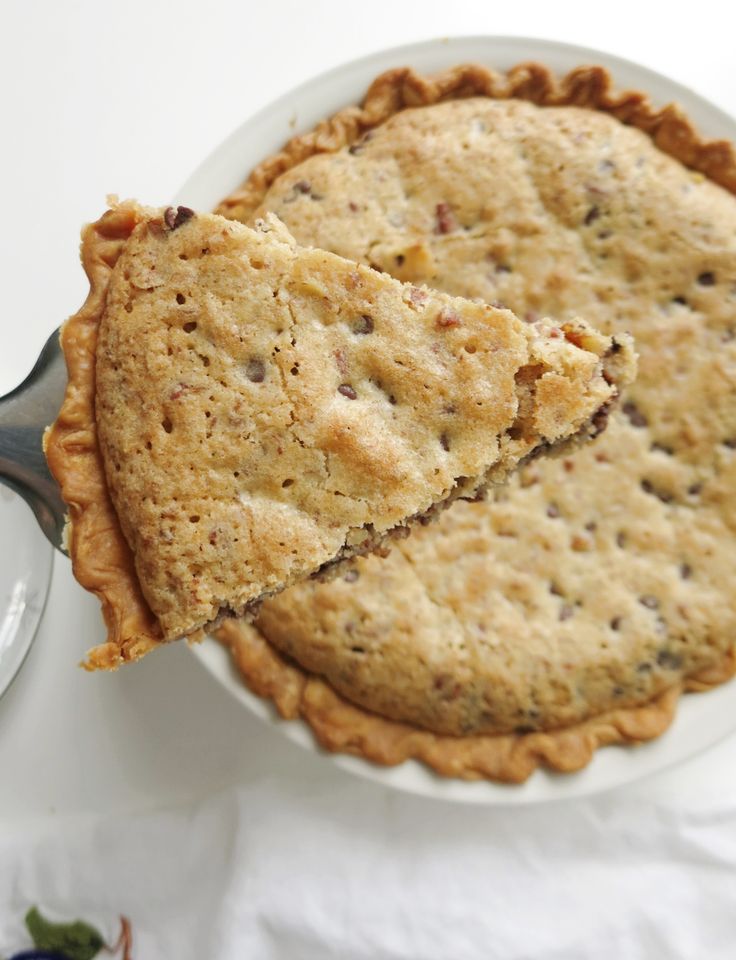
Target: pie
{"points": [[265, 412], [572, 607]]}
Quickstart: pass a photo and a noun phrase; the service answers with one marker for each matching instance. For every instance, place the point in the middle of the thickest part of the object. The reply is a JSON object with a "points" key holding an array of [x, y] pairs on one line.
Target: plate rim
{"points": [[46, 551]]}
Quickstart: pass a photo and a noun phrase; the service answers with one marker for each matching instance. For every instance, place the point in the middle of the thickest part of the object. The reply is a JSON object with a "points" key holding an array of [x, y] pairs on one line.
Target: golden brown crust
{"points": [[590, 87], [101, 558], [341, 727]]}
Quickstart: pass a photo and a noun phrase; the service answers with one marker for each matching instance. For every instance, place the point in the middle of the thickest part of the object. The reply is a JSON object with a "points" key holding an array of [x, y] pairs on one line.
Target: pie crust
{"points": [[341, 727], [101, 558], [397, 89]]}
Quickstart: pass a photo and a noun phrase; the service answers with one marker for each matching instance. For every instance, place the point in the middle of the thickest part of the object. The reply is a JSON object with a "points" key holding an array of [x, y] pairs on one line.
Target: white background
{"points": [[128, 97]]}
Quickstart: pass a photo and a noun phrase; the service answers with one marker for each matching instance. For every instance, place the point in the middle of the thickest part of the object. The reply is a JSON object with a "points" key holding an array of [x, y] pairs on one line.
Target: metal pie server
{"points": [[24, 415]]}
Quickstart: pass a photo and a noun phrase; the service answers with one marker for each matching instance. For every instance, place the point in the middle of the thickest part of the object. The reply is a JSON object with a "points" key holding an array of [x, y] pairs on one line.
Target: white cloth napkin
{"points": [[359, 873]]}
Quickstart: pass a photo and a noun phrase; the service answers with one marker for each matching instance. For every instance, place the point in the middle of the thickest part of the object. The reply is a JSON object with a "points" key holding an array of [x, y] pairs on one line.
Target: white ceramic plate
{"points": [[26, 559], [701, 720]]}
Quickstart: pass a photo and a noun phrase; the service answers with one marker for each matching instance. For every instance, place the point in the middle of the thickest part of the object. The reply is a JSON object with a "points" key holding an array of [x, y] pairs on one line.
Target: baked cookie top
{"points": [[265, 410], [590, 583]]}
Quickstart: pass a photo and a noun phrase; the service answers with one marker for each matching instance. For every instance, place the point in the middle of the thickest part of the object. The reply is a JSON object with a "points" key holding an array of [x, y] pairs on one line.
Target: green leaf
{"points": [[76, 941]]}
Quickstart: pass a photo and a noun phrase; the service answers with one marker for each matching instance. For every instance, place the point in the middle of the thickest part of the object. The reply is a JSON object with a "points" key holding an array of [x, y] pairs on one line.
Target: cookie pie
{"points": [[572, 608]]}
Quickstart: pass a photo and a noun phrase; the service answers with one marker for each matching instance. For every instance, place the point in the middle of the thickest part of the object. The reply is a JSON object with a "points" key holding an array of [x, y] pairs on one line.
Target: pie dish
{"points": [[265, 412], [597, 587]]}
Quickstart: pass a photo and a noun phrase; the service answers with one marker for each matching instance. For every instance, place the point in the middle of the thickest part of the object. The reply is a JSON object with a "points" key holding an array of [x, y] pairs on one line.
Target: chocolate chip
{"points": [[445, 218], [347, 391], [180, 298], [444, 442], [182, 215], [399, 259], [615, 624], [636, 417], [649, 601], [190, 326], [686, 571], [175, 218], [663, 495], [707, 278], [363, 325], [255, 371], [681, 300], [524, 728], [668, 660], [694, 489], [592, 215], [730, 442], [303, 187]]}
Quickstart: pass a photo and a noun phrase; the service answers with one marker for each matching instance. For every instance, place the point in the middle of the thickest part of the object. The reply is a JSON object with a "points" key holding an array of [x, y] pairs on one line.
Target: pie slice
{"points": [[265, 411]]}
